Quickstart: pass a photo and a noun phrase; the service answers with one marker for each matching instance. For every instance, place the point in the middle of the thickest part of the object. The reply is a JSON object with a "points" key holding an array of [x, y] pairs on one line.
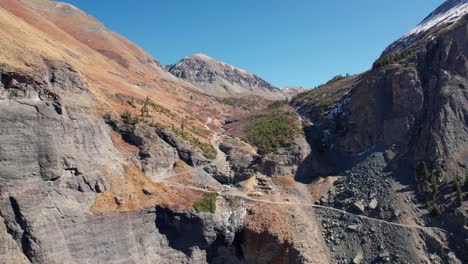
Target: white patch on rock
{"points": [[447, 13], [339, 107]]}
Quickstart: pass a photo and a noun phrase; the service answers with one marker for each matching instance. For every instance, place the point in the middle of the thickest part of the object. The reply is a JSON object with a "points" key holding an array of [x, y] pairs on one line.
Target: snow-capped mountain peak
{"points": [[447, 13]]}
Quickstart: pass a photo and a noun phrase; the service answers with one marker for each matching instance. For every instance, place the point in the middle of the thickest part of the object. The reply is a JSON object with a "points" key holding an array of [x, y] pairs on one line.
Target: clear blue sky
{"points": [[286, 42]]}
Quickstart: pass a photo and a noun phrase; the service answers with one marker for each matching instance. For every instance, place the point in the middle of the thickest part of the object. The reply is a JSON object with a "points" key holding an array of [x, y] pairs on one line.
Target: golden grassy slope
{"points": [[116, 69]]}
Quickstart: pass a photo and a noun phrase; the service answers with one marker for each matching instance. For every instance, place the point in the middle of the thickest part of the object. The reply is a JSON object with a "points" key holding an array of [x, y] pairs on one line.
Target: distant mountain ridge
{"points": [[220, 79], [291, 91]]}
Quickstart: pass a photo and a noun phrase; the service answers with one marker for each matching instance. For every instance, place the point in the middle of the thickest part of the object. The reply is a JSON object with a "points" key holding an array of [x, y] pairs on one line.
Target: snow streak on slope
{"points": [[449, 12]]}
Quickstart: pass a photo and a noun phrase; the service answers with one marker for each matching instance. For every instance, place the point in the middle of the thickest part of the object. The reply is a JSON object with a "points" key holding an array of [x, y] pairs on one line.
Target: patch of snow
{"points": [[339, 107], [449, 12]]}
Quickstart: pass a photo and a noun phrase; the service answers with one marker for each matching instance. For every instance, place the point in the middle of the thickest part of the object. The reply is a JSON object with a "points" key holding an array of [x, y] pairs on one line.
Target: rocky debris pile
{"points": [[264, 184], [353, 240], [363, 189]]}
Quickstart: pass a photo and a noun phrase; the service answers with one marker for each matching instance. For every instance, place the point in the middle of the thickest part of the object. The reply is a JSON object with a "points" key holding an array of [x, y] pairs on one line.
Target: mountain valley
{"points": [[107, 156]]}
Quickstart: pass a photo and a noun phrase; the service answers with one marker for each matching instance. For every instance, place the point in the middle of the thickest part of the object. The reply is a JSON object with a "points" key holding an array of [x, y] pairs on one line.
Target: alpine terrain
{"points": [[223, 80], [106, 156]]}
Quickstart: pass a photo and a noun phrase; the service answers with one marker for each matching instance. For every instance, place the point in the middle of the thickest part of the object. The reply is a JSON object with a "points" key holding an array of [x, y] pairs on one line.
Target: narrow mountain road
{"points": [[221, 157], [215, 140], [231, 193]]}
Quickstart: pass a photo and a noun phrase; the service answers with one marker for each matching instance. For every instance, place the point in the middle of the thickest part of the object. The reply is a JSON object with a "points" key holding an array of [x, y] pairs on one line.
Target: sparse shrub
{"points": [[332, 80], [207, 149], [425, 174], [435, 209], [422, 178], [160, 109], [207, 203], [129, 119], [322, 112], [144, 107], [158, 125], [277, 104]]}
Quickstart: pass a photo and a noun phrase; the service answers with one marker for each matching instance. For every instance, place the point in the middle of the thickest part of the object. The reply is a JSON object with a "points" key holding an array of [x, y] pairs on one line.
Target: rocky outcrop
{"points": [[287, 161], [186, 151], [210, 237], [244, 164], [379, 125], [221, 79], [54, 154], [156, 156], [241, 161], [35, 119], [418, 105]]}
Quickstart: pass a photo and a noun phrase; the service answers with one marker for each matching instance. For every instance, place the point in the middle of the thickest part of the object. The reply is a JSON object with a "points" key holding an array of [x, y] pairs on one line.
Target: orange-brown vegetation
{"points": [[128, 190], [272, 219], [122, 145], [285, 181], [114, 67], [322, 186]]}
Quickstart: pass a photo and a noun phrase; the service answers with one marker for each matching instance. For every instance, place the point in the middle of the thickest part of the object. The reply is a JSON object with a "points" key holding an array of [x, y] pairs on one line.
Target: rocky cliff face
{"points": [[412, 109], [221, 79], [418, 104], [103, 155]]}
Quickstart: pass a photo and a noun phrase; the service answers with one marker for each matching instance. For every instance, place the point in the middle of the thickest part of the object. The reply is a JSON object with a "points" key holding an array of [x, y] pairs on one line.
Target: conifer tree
{"points": [[466, 183], [459, 197], [434, 185]]}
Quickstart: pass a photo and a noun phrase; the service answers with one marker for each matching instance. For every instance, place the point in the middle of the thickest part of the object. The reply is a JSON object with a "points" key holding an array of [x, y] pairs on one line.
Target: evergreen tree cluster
{"points": [[425, 180], [459, 194], [274, 128], [144, 108], [428, 186], [206, 204], [391, 59]]}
